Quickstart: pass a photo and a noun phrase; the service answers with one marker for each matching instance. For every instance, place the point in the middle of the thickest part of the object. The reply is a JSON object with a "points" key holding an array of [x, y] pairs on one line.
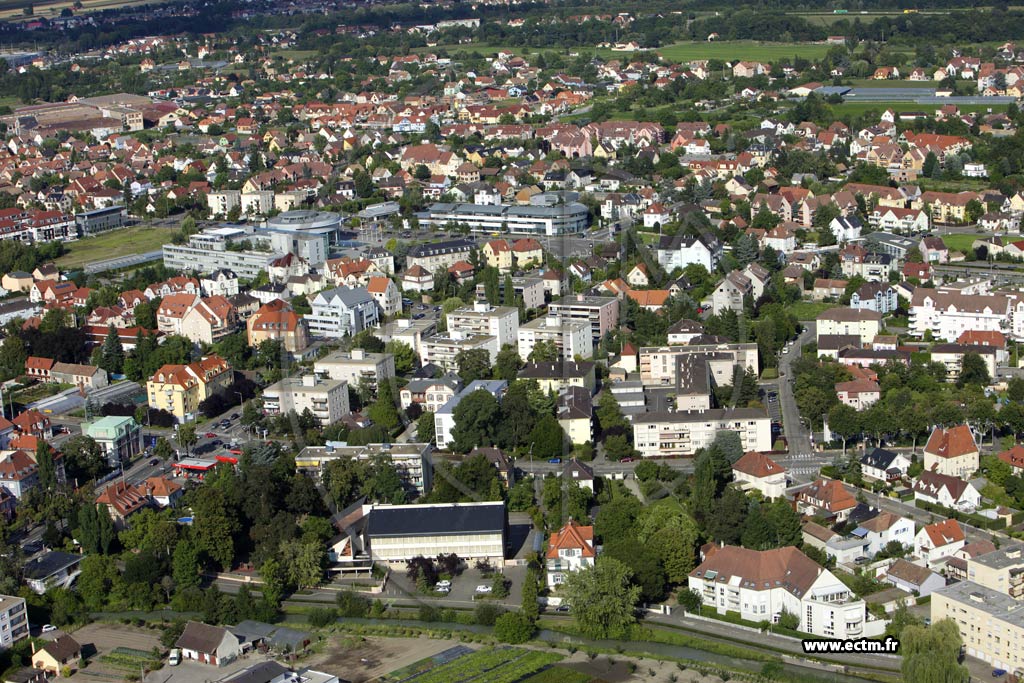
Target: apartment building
{"points": [[529, 289], [358, 367], [277, 320], [761, 585], [436, 255], [501, 322], [179, 389], [759, 472], [119, 437], [661, 365], [572, 338], [342, 312], [601, 312], [952, 451], [850, 321], [444, 419], [411, 460], [13, 620], [570, 549], [430, 394], [327, 399], [947, 315], [991, 622], [441, 350], [668, 434]]}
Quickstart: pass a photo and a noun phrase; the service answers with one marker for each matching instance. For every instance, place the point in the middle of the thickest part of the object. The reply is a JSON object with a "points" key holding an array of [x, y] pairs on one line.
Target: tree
{"points": [[1015, 389], [544, 351], [507, 363], [476, 417], [384, 411], [13, 354], [931, 165], [548, 439], [45, 466], [603, 599], [304, 562], [473, 364], [609, 416], [973, 370], [531, 609], [405, 358], [185, 565], [844, 421], [930, 655], [187, 435], [163, 449], [514, 628], [83, 459], [974, 210], [112, 358], [425, 428]]}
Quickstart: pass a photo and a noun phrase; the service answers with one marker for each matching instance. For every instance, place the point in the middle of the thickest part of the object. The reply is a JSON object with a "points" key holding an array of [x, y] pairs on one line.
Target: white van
{"points": [[175, 657]]}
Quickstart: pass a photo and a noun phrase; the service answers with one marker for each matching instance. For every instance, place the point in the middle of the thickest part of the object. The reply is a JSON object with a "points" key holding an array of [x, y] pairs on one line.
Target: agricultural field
{"points": [[13, 10], [489, 665], [134, 240], [130, 659], [742, 49]]}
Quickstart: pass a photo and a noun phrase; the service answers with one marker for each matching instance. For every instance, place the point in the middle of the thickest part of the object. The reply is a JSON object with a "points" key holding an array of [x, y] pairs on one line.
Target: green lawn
{"points": [[135, 240], [961, 241], [742, 49], [809, 310]]}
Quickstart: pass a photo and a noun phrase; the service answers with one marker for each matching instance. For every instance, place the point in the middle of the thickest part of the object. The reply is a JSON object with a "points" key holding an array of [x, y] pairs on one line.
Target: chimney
{"points": [[358, 354], [579, 297], [309, 380]]}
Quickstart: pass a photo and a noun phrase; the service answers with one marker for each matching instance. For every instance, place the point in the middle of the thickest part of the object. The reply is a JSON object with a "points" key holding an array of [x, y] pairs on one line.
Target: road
{"points": [[797, 435]]}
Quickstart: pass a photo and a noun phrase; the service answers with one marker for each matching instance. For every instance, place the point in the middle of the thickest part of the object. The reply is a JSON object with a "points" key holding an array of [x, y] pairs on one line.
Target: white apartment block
{"points": [[669, 434], [572, 338], [13, 620], [442, 350], [357, 367], [761, 585], [327, 399], [501, 322], [411, 460], [948, 314]]}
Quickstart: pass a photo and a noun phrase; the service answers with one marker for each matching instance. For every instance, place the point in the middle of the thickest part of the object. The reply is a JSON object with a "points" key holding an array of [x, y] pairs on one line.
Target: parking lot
{"points": [[463, 591]]}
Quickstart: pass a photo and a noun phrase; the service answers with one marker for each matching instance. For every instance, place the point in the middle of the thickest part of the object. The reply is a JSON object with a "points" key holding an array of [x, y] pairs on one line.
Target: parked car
{"points": [[154, 462], [174, 659], [555, 461], [49, 628], [628, 459], [210, 435], [234, 416], [482, 588], [562, 608], [444, 583], [996, 673]]}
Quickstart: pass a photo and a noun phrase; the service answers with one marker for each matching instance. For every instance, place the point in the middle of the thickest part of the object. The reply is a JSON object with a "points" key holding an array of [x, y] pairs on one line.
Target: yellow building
{"points": [[179, 389], [498, 254]]}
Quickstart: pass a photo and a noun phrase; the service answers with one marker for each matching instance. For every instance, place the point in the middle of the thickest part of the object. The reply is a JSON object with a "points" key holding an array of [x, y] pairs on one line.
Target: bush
{"points": [[514, 628], [428, 613], [320, 617], [486, 614], [352, 605]]}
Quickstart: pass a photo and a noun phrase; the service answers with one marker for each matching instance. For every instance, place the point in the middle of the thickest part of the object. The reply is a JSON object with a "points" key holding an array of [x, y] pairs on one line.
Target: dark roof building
{"points": [[397, 533]]}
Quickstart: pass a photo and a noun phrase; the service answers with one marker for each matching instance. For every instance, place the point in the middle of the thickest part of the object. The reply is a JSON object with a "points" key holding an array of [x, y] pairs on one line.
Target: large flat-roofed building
{"points": [[411, 460], [356, 367], [501, 322], [327, 399], [602, 312], [409, 332], [441, 350], [1000, 570], [207, 252], [660, 365], [13, 620], [558, 219], [529, 289], [991, 623], [572, 338], [667, 434], [473, 531], [101, 220]]}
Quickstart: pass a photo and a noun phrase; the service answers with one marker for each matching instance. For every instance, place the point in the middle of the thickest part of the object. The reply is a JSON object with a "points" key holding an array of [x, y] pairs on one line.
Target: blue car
{"points": [[555, 461], [996, 673]]}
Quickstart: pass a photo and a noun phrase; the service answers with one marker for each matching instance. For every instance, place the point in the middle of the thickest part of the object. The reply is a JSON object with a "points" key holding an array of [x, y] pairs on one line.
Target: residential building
{"points": [[679, 251], [214, 645], [948, 491], [875, 296], [952, 356], [761, 585], [572, 338], [385, 292], [914, 578], [85, 377], [570, 549], [500, 322], [602, 312], [56, 655], [18, 472], [277, 320], [473, 531], [1014, 457], [990, 622], [947, 315], [442, 350], [502, 463], [120, 500], [358, 367], [665, 365], [668, 434], [221, 282], [55, 569], [207, 252], [342, 312], [826, 498], [430, 394], [883, 465], [179, 389], [444, 418], [559, 375], [849, 321], [436, 255], [119, 437], [575, 412], [759, 472], [528, 289], [952, 451], [327, 399], [13, 620], [935, 542], [209, 321], [409, 332], [580, 473], [1000, 569], [859, 394], [411, 460], [883, 529], [536, 219]]}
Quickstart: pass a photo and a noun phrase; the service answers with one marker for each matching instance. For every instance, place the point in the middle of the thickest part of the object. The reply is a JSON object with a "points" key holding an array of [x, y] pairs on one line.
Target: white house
{"points": [[914, 578], [762, 584], [938, 541], [884, 528], [570, 549], [883, 465], [679, 251], [342, 312], [947, 491], [757, 471], [207, 644], [846, 228]]}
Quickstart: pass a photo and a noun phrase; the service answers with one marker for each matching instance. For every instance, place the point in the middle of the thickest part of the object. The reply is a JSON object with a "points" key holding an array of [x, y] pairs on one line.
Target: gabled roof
{"points": [[879, 458], [62, 648], [202, 637], [830, 495], [945, 532], [760, 569], [931, 483], [572, 536], [757, 465], [910, 573], [951, 442]]}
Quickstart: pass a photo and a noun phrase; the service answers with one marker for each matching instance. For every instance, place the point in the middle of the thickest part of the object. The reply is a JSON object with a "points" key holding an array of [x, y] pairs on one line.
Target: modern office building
{"points": [[551, 220], [208, 251], [602, 312]]}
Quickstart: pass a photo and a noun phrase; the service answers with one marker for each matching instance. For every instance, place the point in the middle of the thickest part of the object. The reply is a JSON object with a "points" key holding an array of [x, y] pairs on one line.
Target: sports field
{"points": [[135, 240], [730, 50]]}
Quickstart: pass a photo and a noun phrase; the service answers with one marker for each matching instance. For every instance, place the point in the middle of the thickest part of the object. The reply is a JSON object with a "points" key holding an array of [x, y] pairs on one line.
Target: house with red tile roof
{"points": [[757, 471], [1014, 457], [570, 549], [826, 498], [277, 320], [121, 500], [385, 292], [936, 542], [38, 368], [952, 451]]}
